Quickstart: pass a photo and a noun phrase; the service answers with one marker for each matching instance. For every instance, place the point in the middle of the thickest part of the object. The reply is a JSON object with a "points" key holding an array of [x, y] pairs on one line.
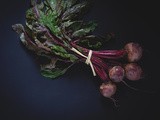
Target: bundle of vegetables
{"points": [[55, 31]]}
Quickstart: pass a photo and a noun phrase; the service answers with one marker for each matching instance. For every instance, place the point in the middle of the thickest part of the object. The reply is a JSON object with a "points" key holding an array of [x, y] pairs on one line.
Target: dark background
{"points": [[26, 95]]}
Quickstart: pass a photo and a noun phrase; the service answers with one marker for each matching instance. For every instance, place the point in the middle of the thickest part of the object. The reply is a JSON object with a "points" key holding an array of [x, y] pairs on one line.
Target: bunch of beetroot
{"points": [[54, 31]]}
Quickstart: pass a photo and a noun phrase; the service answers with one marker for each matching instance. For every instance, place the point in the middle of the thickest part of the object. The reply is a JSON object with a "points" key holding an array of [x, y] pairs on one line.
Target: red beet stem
{"points": [[101, 72], [108, 54], [96, 61], [99, 61]]}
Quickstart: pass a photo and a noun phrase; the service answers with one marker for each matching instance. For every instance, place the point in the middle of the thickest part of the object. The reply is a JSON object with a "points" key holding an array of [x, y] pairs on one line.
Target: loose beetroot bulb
{"points": [[116, 73], [108, 89], [134, 51], [133, 71]]}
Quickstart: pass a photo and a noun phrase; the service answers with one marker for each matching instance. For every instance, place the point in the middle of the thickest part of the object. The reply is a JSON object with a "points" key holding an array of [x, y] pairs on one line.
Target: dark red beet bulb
{"points": [[134, 51], [116, 73], [133, 71], [108, 89]]}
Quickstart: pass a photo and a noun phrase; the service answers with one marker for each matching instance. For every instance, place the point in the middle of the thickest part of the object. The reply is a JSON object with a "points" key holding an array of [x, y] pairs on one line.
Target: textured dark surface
{"points": [[26, 95]]}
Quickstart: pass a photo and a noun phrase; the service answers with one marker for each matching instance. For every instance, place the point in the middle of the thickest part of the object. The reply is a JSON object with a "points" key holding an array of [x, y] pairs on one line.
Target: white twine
{"points": [[88, 59]]}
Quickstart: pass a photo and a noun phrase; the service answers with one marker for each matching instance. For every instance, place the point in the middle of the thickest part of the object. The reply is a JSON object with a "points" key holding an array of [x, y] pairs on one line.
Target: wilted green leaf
{"points": [[60, 51], [86, 29], [18, 28], [70, 3], [50, 20], [74, 26], [91, 44], [74, 11], [54, 73], [56, 48]]}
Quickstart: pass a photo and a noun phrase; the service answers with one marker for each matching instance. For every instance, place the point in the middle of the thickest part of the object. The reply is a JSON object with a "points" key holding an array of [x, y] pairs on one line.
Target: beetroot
{"points": [[116, 73], [108, 89], [133, 71], [134, 51], [64, 39]]}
